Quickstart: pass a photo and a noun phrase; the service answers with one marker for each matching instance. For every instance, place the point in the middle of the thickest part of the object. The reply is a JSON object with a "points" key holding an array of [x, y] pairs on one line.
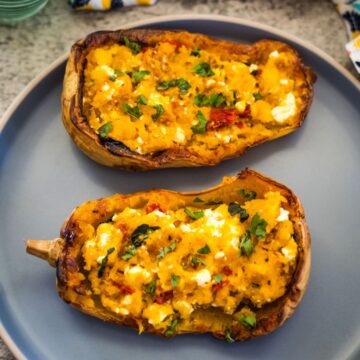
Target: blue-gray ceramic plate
{"points": [[43, 176]]}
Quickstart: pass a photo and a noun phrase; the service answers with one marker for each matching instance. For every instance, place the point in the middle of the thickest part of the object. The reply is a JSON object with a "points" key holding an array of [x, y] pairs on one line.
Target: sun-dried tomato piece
{"points": [[124, 289], [164, 297], [123, 228], [219, 285], [152, 207], [226, 271], [246, 113], [221, 117]]}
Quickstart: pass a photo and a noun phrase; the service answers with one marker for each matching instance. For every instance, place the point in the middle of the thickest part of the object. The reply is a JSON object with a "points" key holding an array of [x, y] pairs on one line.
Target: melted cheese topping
{"points": [[185, 264], [259, 96]]}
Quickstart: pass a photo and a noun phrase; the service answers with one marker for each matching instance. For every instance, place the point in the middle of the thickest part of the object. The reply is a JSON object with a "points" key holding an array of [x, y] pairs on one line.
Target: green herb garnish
{"points": [[133, 111], [214, 202], [174, 280], [203, 69], [196, 260], [164, 251], [200, 127], [181, 83], [194, 214], [198, 200], [204, 250], [105, 129], [138, 75], [132, 45], [130, 252], [159, 111], [115, 74], [246, 245], [258, 227], [195, 52], [234, 208], [201, 100], [248, 321], [228, 337], [217, 278], [150, 289], [142, 100], [217, 100], [105, 261], [171, 328], [248, 195], [141, 233], [257, 96]]}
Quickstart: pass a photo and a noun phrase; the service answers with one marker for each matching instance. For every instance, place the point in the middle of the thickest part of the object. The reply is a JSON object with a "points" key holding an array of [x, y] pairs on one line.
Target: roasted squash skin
{"points": [[76, 289], [115, 153]]}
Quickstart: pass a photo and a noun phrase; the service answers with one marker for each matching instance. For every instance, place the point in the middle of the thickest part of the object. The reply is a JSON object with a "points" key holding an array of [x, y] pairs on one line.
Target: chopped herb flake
{"points": [[150, 289], [181, 83], [196, 260], [105, 129], [228, 337], [142, 100], [204, 250], [105, 261], [141, 233], [203, 69], [248, 321], [138, 75], [164, 251], [195, 52], [217, 278], [198, 200], [171, 328], [234, 208], [132, 45], [115, 74], [194, 214], [214, 202], [133, 111], [130, 252], [200, 127], [201, 100], [159, 111], [246, 245], [248, 195], [257, 96], [174, 280], [217, 100], [258, 227]]}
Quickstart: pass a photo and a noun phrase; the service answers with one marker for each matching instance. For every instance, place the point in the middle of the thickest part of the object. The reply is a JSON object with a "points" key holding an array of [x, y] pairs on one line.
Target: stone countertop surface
{"points": [[28, 47]]}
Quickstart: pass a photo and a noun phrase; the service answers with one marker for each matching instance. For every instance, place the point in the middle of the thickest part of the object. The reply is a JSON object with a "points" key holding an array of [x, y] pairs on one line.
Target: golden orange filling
{"points": [[171, 94], [162, 266]]}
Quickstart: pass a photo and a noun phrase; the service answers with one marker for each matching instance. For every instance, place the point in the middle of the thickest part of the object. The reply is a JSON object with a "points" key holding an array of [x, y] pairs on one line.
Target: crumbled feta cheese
{"points": [[202, 277], [253, 67], [108, 69], [105, 87], [219, 255], [210, 82], [134, 270], [163, 130], [185, 228], [121, 311], [286, 108], [127, 300], [234, 242], [140, 140], [240, 106], [284, 81], [90, 243], [180, 135], [158, 213], [286, 252], [227, 138], [274, 54], [104, 239], [284, 215]]}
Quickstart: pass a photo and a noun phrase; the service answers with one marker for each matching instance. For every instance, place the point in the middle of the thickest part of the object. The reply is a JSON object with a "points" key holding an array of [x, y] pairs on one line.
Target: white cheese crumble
{"points": [[240, 106], [185, 228], [121, 311], [284, 215], [127, 300], [253, 67], [286, 108], [134, 270], [284, 81], [234, 242], [108, 69], [274, 54], [140, 140], [104, 239], [202, 277], [219, 255], [158, 213], [210, 82], [180, 135], [286, 252], [105, 87]]}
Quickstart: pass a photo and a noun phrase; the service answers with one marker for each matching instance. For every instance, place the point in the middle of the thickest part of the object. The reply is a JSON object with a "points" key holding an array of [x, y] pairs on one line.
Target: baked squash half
{"points": [[232, 260], [148, 99]]}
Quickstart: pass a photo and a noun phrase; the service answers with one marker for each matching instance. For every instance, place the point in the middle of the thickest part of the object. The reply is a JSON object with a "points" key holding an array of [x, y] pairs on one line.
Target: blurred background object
{"points": [[16, 10], [107, 4]]}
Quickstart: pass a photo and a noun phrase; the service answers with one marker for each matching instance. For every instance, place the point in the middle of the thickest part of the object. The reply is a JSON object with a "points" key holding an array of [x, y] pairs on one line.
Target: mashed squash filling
{"points": [[172, 94], [165, 265]]}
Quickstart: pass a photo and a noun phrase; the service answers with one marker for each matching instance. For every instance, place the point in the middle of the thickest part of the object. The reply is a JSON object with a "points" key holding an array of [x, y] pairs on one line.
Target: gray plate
{"points": [[44, 176]]}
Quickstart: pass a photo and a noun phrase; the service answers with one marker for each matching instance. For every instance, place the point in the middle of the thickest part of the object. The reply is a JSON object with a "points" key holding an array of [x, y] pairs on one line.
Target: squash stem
{"points": [[48, 250]]}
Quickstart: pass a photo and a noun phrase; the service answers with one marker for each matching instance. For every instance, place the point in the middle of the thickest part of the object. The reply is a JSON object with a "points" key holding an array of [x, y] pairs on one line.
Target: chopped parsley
{"points": [[201, 100], [174, 280], [204, 250], [142, 100], [141, 233], [200, 127], [248, 195], [217, 278], [228, 337], [258, 227], [203, 69], [130, 252], [150, 289], [195, 52], [234, 208], [133, 111], [115, 74], [167, 249], [196, 261], [171, 328], [132, 45], [246, 245], [194, 214], [138, 75], [105, 129], [198, 200], [214, 202], [181, 83], [248, 321], [257, 96], [159, 111], [215, 100], [105, 261]]}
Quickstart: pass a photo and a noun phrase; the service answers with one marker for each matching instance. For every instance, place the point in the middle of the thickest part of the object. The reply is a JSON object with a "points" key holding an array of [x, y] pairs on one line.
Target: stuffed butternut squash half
{"points": [[148, 99], [232, 260]]}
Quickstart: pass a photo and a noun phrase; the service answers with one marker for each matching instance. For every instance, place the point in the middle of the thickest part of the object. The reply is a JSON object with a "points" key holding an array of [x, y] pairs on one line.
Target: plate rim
{"points": [[4, 334]]}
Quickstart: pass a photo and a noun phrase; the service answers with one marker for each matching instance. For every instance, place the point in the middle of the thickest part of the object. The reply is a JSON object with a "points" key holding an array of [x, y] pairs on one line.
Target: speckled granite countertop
{"points": [[27, 48]]}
